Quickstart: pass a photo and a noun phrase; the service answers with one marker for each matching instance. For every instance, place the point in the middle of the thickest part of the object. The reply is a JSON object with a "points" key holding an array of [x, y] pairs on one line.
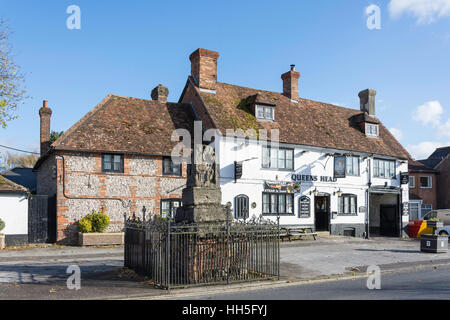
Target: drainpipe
{"points": [[124, 203], [369, 171]]}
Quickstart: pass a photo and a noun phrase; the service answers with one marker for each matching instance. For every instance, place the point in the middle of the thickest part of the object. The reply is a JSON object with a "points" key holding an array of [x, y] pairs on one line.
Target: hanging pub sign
{"points": [[282, 187], [404, 178], [339, 167], [237, 170], [305, 207]]}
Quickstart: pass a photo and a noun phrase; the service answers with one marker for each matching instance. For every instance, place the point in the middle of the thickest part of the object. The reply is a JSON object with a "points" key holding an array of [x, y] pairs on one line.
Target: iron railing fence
{"points": [[181, 255]]}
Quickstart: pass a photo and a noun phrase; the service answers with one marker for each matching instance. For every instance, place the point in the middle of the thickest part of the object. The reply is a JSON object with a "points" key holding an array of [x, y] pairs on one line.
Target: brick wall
{"points": [[86, 188], [428, 195]]}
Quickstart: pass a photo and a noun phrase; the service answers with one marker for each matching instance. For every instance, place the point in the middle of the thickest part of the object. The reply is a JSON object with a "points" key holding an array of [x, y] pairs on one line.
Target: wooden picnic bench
{"points": [[291, 231]]}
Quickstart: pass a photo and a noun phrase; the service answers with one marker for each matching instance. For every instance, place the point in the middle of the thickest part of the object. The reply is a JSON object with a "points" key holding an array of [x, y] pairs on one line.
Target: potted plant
{"points": [[91, 230], [2, 236]]}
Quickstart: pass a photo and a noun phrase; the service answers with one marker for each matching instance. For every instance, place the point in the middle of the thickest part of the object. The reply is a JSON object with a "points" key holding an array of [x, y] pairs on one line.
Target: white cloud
{"points": [[397, 133], [424, 149], [444, 129], [425, 11], [429, 113]]}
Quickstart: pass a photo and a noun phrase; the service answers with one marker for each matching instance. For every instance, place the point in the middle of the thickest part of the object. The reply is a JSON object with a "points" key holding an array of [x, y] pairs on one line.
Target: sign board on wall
{"points": [[282, 187], [305, 207]]}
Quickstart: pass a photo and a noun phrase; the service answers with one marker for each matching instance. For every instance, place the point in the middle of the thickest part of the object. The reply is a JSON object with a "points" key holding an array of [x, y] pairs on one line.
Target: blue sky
{"points": [[129, 47]]}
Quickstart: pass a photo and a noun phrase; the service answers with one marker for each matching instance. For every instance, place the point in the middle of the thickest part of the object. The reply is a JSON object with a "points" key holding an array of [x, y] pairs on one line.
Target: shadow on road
{"points": [[391, 250]]}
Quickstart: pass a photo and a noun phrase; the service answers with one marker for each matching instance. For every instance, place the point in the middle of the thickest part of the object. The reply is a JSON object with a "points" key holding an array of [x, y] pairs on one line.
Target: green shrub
{"points": [[85, 225], [94, 222], [2, 224], [99, 220]]}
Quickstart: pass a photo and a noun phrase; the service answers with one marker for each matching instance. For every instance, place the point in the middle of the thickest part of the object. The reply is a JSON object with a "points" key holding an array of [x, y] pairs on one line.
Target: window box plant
{"points": [[91, 230]]}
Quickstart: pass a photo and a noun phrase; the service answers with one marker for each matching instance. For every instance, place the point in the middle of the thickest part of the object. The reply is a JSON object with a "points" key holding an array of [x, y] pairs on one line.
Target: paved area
{"points": [[340, 255], [421, 284], [40, 273]]}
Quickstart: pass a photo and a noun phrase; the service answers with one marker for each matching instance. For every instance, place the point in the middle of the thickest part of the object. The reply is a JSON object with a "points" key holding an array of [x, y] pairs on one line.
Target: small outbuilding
{"points": [[14, 212]]}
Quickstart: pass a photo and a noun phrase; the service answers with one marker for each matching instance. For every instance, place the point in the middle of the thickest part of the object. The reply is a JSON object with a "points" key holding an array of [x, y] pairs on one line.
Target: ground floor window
{"points": [[278, 203], [426, 208], [414, 211], [241, 210], [347, 204], [169, 207]]}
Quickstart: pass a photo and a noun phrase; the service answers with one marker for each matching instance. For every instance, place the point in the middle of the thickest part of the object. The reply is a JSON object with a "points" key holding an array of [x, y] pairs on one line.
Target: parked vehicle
{"points": [[441, 215]]}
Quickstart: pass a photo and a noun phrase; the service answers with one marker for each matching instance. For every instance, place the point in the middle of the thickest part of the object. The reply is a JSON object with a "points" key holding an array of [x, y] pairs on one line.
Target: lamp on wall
{"points": [[339, 192], [315, 192]]}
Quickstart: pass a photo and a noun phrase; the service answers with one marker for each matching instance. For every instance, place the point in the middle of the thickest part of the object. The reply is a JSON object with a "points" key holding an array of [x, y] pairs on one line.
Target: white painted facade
{"points": [[312, 161], [14, 212]]}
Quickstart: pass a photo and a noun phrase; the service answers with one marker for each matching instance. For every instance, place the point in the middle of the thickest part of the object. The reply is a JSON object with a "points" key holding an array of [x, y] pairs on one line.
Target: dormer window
{"points": [[371, 130], [265, 112]]}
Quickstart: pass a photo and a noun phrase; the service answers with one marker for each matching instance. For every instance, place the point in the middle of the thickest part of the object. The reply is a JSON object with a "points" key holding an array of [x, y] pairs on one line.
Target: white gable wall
{"points": [[14, 212]]}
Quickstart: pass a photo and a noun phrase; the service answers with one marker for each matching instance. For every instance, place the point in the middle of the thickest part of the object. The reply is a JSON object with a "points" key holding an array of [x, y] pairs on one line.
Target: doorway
{"points": [[389, 221], [322, 213]]}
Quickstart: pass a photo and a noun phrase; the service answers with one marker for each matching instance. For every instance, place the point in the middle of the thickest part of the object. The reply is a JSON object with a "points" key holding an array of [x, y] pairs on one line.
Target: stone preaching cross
{"points": [[202, 196]]}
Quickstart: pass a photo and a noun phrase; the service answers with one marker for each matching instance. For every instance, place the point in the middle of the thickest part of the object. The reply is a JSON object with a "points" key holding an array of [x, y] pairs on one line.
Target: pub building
{"points": [[334, 169]]}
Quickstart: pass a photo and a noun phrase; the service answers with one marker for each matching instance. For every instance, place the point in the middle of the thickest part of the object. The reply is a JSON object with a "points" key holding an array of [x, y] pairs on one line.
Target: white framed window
{"points": [[426, 182], [371, 130], [426, 208], [412, 182], [278, 203], [384, 168], [265, 112], [347, 204], [414, 211], [352, 166], [281, 158]]}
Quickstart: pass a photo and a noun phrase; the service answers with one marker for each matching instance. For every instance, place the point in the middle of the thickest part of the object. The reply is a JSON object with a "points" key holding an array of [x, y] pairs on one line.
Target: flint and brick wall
{"points": [[87, 188]]}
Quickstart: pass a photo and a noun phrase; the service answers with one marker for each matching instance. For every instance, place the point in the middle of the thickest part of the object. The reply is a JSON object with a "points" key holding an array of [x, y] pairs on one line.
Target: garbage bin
{"points": [[433, 243]]}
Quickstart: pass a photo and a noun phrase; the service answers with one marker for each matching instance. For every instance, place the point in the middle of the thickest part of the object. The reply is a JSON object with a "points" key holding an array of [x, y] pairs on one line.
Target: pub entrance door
{"points": [[322, 213]]}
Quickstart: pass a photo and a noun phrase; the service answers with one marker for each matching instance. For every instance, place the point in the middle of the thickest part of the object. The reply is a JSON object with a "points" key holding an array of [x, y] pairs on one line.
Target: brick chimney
{"points": [[367, 101], [204, 68], [45, 114], [160, 94], [290, 83]]}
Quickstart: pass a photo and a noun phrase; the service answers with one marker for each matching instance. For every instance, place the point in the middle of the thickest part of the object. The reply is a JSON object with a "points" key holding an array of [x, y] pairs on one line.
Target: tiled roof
{"points": [[416, 166], [129, 125], [22, 176], [10, 187], [436, 157], [307, 122]]}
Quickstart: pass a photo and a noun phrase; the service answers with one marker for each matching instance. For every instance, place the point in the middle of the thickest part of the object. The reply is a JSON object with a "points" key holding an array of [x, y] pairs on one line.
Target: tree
{"points": [[12, 91], [12, 160], [55, 135]]}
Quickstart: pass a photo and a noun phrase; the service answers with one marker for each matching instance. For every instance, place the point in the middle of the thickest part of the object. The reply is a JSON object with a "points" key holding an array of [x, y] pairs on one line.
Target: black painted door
{"points": [[388, 220], [322, 213]]}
